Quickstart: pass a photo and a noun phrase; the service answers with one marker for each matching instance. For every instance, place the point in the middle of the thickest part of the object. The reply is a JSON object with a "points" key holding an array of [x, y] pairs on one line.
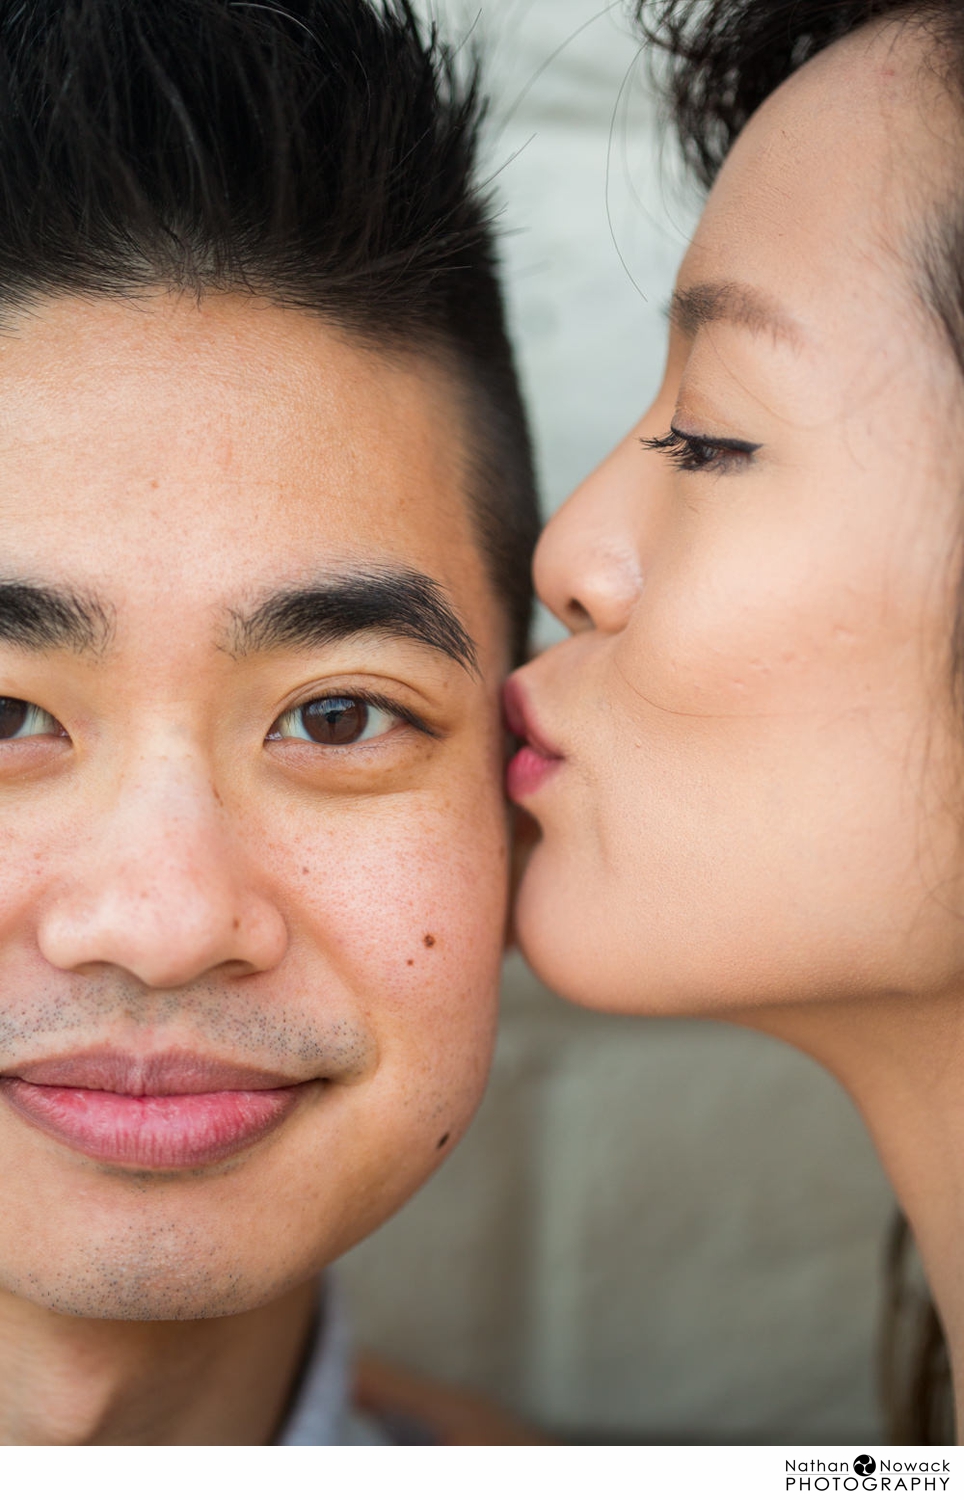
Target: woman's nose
{"points": [[162, 890], [587, 564]]}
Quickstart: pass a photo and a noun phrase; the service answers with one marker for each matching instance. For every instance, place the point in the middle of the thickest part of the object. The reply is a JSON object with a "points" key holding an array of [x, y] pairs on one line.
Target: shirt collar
{"points": [[320, 1411]]}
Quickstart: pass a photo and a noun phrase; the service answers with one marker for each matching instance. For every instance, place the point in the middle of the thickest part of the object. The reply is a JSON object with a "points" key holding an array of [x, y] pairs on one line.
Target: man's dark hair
{"points": [[725, 57], [317, 153]]}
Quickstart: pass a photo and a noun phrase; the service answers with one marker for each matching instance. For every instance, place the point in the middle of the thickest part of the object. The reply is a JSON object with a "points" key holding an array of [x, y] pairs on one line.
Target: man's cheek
{"points": [[413, 914], [26, 870], [27, 875], [413, 927]]}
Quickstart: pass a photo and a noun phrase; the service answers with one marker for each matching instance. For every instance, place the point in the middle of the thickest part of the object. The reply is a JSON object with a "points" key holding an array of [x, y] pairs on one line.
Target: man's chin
{"points": [[145, 1284], [178, 1249], [162, 1255]]}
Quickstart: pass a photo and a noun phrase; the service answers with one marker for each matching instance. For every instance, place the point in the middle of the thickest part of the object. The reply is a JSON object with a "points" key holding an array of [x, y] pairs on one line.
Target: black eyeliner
{"points": [[736, 445], [676, 435], [691, 452]]}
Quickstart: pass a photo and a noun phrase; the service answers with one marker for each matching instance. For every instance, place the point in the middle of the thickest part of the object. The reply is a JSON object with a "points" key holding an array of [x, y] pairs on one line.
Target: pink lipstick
{"points": [[174, 1110], [535, 761]]}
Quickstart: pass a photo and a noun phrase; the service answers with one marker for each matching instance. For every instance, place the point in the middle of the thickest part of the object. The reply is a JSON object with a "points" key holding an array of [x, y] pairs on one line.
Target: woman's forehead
{"points": [[831, 181]]}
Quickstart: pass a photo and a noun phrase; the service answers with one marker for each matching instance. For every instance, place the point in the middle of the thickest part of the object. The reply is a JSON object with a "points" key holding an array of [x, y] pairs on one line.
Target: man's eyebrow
{"points": [[391, 601], [49, 617], [694, 307]]}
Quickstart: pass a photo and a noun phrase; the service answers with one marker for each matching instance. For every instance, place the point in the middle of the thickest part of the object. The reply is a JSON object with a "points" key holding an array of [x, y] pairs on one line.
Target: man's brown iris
{"points": [[335, 721], [13, 716]]}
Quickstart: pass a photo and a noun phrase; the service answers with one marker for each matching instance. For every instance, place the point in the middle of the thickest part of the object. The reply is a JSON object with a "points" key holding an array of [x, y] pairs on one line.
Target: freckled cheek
{"points": [[413, 912], [25, 869]]}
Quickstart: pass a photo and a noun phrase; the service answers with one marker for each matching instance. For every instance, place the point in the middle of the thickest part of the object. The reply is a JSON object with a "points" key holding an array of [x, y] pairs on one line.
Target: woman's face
{"points": [[758, 792]]}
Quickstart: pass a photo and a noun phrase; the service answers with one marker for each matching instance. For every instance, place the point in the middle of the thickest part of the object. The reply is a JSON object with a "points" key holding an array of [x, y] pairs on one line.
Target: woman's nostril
{"points": [[577, 616]]}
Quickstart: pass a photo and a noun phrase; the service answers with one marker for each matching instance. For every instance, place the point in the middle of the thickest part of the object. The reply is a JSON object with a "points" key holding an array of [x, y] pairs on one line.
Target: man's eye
{"points": [[21, 721], [335, 721]]}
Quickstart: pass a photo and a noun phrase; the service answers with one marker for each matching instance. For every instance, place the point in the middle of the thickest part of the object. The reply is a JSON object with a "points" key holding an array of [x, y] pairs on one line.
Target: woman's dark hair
{"points": [[915, 1371], [723, 59], [317, 153], [727, 56]]}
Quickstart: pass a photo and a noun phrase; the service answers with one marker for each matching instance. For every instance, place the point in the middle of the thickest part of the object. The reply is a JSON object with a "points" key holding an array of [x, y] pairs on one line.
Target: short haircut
{"points": [[317, 153]]}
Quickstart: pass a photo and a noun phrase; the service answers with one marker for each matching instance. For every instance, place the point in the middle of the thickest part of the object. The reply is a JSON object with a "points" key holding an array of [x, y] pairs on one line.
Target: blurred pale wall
{"points": [[656, 1230]]}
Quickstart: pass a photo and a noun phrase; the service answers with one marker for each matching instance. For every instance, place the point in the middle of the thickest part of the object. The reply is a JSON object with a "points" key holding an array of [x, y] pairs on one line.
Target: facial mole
{"points": [[410, 962], [443, 1141], [305, 870], [236, 923], [428, 940]]}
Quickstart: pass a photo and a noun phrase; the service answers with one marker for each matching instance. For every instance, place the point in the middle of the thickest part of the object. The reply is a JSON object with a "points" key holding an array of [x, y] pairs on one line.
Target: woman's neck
{"points": [[208, 1382], [902, 1062]]}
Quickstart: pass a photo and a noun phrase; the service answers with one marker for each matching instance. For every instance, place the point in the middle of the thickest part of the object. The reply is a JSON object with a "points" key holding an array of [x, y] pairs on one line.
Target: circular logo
{"points": [[864, 1464]]}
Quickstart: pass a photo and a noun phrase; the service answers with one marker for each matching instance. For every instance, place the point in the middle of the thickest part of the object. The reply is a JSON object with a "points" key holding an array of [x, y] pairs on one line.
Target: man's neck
{"points": [[902, 1062], [207, 1382]]}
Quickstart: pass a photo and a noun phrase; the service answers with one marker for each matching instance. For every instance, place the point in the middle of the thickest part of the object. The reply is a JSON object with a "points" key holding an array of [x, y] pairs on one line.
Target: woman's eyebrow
{"points": [[391, 601], [692, 308]]}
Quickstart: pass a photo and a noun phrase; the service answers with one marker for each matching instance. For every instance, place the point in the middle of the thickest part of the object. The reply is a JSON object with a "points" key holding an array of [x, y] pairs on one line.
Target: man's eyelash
{"points": [[372, 700], [690, 451]]}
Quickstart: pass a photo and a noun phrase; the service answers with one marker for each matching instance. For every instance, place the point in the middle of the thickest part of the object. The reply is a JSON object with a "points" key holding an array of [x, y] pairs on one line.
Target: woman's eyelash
{"points": [[688, 450]]}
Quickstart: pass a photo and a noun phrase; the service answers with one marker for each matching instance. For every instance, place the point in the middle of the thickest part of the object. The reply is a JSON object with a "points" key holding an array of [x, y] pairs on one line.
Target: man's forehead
{"points": [[270, 395], [163, 449]]}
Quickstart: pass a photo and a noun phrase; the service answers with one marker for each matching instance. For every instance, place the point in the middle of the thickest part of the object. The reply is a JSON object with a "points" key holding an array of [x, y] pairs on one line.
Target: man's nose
{"points": [[587, 564], [163, 889]]}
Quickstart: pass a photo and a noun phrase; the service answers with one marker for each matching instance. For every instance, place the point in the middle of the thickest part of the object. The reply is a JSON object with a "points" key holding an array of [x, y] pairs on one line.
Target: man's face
{"points": [[248, 949]]}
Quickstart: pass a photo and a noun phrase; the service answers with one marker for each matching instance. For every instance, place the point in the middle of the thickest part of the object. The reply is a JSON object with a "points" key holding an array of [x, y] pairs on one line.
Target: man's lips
{"points": [[530, 766], [173, 1110], [117, 1072]]}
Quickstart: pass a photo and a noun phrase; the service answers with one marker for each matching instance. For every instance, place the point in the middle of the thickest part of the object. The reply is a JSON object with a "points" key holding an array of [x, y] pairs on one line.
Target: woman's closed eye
{"points": [[698, 451], [341, 719], [20, 720]]}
